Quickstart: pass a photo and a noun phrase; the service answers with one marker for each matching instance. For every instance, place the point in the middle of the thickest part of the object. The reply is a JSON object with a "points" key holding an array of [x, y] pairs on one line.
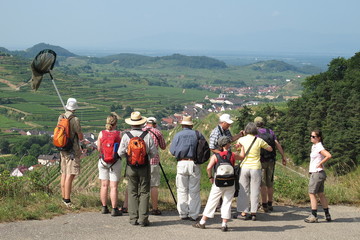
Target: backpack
{"points": [[61, 138], [136, 151], [225, 175], [265, 155], [109, 143], [202, 150]]}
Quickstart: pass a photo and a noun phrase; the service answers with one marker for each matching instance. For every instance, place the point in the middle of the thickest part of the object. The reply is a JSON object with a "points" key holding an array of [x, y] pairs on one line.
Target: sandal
{"points": [[124, 210], [155, 212]]}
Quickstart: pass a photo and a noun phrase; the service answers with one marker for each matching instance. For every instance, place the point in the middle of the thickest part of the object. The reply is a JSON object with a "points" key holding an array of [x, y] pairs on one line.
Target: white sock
{"points": [[224, 224], [202, 222]]}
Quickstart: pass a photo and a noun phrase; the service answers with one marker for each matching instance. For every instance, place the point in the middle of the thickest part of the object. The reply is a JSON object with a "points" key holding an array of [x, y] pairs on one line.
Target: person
{"points": [[250, 177], [222, 129], [318, 157], [154, 163], [183, 147], [216, 192], [138, 176], [109, 172], [268, 164], [70, 160]]}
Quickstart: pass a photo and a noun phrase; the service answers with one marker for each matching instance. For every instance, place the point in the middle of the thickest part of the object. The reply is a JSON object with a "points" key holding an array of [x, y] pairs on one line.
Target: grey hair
{"points": [[251, 129]]}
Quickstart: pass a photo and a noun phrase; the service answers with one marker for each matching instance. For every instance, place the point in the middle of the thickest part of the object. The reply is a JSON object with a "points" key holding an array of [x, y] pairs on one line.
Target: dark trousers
{"points": [[139, 193]]}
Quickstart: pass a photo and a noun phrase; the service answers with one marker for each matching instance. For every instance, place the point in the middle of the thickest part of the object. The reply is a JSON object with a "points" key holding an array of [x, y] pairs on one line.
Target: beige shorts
{"points": [[155, 175], [108, 172], [267, 173], [70, 164]]}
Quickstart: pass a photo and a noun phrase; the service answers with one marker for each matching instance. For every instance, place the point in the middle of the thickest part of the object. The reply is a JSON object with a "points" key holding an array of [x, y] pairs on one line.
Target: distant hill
{"points": [[280, 66], [31, 52], [135, 60]]}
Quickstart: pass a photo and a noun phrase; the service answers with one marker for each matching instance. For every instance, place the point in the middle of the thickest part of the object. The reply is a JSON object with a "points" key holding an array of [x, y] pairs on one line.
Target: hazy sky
{"points": [[268, 26]]}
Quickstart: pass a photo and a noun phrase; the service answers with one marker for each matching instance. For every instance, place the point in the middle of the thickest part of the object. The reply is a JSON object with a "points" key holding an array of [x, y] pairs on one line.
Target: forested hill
{"points": [[280, 66], [330, 102], [34, 50], [134, 60]]}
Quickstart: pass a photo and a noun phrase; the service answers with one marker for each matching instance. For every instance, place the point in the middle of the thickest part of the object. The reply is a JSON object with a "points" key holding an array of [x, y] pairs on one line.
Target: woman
{"points": [[250, 177], [109, 165], [318, 157], [216, 192]]}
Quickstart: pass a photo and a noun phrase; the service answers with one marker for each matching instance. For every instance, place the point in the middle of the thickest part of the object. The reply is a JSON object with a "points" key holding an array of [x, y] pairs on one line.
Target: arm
{"points": [[237, 136], [98, 142], [210, 167], [162, 143], [281, 151], [326, 155]]}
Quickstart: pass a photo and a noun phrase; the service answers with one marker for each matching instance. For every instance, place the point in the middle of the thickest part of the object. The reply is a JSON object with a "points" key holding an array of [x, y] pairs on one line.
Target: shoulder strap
{"points": [[154, 135], [248, 150], [221, 132], [129, 135], [143, 134]]}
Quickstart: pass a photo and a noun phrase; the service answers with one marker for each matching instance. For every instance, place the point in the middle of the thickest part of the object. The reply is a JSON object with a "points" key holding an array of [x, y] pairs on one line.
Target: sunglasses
{"points": [[313, 136]]}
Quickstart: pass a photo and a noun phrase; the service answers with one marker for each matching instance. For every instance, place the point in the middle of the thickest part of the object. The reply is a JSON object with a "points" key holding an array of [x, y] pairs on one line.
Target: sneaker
{"points": [[155, 212], [264, 209], [328, 217], [224, 229], [116, 212], [253, 217], [195, 219], [311, 219], [198, 225], [69, 205], [105, 210], [124, 210]]}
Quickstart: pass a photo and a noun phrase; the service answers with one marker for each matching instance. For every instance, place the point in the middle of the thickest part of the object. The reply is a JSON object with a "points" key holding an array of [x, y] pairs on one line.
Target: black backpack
{"points": [[202, 149], [225, 174], [265, 155]]}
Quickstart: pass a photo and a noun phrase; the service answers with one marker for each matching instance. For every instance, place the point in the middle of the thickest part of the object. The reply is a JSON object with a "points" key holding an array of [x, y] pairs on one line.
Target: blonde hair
{"points": [[111, 121]]}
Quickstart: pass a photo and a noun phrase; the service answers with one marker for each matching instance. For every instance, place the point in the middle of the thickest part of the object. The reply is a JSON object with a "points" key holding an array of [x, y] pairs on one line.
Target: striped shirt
{"points": [[216, 134], [158, 140]]}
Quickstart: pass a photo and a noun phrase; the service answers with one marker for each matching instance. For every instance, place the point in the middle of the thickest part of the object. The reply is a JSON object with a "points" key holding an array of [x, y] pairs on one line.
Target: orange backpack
{"points": [[61, 139], [136, 152]]}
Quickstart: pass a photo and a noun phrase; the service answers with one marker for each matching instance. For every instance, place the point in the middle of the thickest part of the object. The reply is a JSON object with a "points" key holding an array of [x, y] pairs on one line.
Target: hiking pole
{"points": [[57, 91], [167, 181]]}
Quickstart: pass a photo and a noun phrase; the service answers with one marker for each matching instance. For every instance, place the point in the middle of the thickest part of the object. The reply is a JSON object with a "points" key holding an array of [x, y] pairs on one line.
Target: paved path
{"points": [[284, 223]]}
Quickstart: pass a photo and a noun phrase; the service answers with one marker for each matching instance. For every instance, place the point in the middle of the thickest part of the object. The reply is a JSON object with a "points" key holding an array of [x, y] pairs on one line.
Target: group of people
{"points": [[254, 148]]}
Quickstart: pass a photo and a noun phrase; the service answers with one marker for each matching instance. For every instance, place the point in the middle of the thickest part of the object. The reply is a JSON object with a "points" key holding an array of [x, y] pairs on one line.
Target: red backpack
{"points": [[136, 152], [109, 144]]}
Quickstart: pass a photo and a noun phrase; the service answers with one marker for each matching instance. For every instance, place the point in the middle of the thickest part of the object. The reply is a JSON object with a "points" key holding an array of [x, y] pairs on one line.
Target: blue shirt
{"points": [[184, 144]]}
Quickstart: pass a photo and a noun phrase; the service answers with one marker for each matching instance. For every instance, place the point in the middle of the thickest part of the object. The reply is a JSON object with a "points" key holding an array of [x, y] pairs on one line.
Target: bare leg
{"points": [[104, 192], [313, 201], [154, 197], [270, 193], [68, 184], [264, 194], [114, 193], [323, 200], [62, 184]]}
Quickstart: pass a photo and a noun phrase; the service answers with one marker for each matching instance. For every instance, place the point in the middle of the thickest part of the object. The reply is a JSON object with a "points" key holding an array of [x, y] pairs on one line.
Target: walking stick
{"points": [[57, 91], [167, 181]]}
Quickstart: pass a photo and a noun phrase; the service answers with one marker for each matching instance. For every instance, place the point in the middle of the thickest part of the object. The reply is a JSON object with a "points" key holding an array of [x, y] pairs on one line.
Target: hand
{"points": [[284, 161], [211, 180]]}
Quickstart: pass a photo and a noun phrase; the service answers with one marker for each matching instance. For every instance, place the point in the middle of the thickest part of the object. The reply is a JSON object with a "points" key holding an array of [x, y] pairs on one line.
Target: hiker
{"points": [[70, 160], [250, 177], [138, 147], [226, 192], [318, 157], [183, 147], [154, 163], [222, 129], [268, 164], [109, 165]]}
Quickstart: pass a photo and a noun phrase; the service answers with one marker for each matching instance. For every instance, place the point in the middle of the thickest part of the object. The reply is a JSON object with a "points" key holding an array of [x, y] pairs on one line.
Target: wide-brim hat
{"points": [[136, 119], [71, 104], [187, 120]]}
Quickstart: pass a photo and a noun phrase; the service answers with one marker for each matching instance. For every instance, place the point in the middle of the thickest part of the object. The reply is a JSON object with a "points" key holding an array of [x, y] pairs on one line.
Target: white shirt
{"points": [[316, 157]]}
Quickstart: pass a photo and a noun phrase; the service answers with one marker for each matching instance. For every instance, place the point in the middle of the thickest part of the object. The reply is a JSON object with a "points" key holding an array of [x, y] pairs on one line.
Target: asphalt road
{"points": [[286, 222]]}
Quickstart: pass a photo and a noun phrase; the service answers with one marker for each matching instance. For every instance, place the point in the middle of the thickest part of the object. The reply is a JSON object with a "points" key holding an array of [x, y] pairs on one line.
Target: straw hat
{"points": [[187, 120], [136, 119]]}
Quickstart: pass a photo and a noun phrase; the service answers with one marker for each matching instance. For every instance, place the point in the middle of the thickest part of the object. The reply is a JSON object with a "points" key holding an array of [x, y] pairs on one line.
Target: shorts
{"points": [[155, 175], [70, 163], [112, 173], [267, 173], [316, 183]]}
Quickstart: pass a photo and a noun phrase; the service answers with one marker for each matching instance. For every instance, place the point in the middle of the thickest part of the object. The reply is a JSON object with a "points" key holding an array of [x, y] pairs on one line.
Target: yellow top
{"points": [[252, 160]]}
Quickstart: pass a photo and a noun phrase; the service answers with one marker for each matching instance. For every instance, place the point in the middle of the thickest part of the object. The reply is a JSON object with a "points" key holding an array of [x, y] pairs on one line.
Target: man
{"points": [[268, 164], [183, 147], [70, 160], [223, 129], [138, 176], [154, 163]]}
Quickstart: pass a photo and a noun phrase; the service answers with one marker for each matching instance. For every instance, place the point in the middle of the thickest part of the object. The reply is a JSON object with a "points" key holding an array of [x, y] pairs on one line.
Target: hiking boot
{"points": [[224, 229], [198, 225], [105, 210], [145, 223], [328, 217], [253, 217], [155, 212], [270, 208], [264, 209], [116, 212], [311, 219], [124, 210]]}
